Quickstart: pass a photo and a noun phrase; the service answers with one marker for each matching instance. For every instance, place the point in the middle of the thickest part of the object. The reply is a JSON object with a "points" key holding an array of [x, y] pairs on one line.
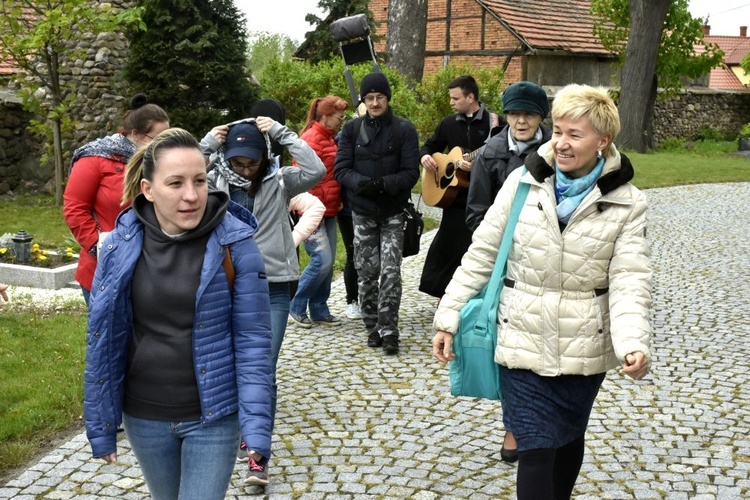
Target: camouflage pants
{"points": [[378, 247]]}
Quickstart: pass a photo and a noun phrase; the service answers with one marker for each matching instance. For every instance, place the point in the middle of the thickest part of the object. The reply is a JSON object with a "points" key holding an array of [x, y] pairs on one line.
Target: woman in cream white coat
{"points": [[577, 296]]}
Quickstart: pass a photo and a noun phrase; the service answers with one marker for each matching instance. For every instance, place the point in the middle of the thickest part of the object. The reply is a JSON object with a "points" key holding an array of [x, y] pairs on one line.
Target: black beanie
{"points": [[526, 96], [374, 82], [272, 109]]}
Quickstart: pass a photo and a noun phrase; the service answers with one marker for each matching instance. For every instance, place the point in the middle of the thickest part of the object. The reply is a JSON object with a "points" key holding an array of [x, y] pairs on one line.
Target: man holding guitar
{"points": [[445, 179]]}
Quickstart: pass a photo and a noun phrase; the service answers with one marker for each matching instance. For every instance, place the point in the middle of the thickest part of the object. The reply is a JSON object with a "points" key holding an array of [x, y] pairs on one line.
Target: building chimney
{"points": [[706, 30], [743, 30]]}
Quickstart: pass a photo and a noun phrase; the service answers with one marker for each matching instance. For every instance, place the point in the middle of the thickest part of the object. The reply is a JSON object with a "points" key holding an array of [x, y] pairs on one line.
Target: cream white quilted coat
{"points": [[552, 322]]}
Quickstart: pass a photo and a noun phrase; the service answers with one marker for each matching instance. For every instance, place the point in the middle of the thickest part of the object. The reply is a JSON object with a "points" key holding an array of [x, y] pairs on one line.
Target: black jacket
{"points": [[459, 130], [489, 172], [469, 134], [369, 150]]}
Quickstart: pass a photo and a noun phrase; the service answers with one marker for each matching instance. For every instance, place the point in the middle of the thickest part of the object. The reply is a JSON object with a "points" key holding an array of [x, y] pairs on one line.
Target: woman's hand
{"points": [[264, 123], [219, 133], [636, 365], [441, 346], [110, 459]]}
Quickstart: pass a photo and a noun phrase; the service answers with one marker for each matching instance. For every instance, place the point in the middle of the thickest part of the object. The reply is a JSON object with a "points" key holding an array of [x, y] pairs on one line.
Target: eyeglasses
{"points": [[372, 98], [340, 117], [240, 167], [149, 136]]}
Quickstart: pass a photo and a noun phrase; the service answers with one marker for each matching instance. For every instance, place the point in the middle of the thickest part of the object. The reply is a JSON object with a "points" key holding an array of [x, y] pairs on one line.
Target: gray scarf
{"points": [[518, 147]]}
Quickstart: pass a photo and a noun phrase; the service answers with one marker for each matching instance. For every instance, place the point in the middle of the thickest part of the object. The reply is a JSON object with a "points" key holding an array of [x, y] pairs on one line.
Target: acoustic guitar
{"points": [[439, 189]]}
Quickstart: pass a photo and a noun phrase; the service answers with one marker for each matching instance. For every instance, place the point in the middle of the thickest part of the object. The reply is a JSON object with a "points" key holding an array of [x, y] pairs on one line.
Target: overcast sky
{"points": [[288, 16], [279, 16]]}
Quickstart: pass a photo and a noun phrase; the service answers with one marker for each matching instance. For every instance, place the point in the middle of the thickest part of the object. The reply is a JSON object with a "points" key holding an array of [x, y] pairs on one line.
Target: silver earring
{"points": [[598, 153]]}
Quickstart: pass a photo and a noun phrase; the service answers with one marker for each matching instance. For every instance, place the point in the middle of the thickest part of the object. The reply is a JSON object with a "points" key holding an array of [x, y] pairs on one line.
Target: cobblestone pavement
{"points": [[353, 423]]}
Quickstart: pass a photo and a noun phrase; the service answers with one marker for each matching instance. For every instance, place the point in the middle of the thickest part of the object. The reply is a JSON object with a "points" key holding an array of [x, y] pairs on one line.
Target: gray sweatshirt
{"points": [[271, 204]]}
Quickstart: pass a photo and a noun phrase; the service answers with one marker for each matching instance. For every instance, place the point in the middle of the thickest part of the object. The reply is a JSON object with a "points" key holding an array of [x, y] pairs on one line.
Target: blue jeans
{"points": [[279, 295], [86, 297], [185, 460], [314, 287]]}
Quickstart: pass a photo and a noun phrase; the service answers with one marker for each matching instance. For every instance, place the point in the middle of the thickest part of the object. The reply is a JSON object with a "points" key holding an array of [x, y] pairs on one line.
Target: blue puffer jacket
{"points": [[231, 334]]}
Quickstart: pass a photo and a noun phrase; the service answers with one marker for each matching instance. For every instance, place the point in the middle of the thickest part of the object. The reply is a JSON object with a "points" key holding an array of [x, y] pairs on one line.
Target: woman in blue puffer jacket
{"points": [[179, 336]]}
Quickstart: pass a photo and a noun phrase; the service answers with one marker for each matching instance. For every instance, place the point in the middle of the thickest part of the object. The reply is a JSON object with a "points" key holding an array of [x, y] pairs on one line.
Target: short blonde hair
{"points": [[581, 101]]}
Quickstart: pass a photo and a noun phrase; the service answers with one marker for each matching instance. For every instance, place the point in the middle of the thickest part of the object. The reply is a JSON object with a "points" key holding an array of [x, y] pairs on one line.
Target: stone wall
{"points": [[684, 115], [19, 151], [100, 102]]}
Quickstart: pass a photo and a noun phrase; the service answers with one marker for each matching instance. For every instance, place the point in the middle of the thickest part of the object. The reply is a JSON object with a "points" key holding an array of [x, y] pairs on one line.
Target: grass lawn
{"points": [[701, 164], [42, 352], [42, 357]]}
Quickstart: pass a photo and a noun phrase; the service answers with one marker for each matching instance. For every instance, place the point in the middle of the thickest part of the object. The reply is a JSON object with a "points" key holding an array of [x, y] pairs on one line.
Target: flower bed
{"points": [[44, 269]]}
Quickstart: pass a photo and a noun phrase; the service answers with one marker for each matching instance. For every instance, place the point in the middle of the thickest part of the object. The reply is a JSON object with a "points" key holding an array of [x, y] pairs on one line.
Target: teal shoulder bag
{"points": [[473, 372]]}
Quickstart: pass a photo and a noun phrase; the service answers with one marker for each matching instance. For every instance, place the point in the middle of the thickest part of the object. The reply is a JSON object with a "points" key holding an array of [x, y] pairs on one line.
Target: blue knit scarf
{"points": [[570, 192]]}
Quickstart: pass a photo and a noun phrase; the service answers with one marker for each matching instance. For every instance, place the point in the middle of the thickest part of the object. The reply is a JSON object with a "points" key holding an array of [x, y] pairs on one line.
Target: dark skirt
{"points": [[547, 412], [446, 251]]}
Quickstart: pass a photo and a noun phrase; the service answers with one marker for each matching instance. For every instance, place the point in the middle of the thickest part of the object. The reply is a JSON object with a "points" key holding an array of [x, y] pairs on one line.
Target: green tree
{"points": [[656, 41], [265, 47], [37, 37], [319, 44], [191, 59], [304, 81], [432, 94], [424, 105]]}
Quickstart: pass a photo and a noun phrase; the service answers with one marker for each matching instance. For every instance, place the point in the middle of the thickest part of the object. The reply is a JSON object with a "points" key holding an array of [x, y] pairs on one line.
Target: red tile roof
{"points": [[7, 65], [565, 25], [735, 47], [723, 78]]}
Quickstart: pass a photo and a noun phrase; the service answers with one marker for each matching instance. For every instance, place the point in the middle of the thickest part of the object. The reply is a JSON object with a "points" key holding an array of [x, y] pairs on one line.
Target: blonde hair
{"points": [[143, 161], [594, 103]]}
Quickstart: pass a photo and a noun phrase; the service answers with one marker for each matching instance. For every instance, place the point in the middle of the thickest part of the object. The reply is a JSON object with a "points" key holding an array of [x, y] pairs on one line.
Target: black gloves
{"points": [[372, 189]]}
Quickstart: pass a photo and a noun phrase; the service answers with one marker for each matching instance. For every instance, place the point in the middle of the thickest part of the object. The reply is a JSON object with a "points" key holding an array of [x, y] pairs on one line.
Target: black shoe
{"points": [[374, 340], [507, 455], [390, 344]]}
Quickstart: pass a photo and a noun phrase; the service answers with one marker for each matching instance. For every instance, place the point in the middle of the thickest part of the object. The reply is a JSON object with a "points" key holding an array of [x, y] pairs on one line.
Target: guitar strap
{"points": [[496, 124]]}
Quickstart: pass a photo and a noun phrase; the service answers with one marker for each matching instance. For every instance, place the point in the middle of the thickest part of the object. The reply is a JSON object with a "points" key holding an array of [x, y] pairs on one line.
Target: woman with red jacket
{"points": [[93, 194], [324, 118]]}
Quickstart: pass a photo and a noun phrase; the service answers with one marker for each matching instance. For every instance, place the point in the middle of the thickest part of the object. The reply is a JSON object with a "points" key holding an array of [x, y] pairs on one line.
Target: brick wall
{"points": [[460, 27]]}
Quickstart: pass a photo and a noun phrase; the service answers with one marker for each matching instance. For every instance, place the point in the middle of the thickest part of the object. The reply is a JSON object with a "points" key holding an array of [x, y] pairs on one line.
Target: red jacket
{"points": [[327, 190], [91, 204]]}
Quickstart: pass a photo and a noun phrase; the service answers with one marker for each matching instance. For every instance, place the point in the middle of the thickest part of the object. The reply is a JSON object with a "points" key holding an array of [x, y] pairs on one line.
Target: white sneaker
{"points": [[352, 311]]}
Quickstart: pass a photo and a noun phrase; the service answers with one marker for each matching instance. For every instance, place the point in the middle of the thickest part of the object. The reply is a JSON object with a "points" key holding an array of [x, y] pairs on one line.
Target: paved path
{"points": [[353, 423]]}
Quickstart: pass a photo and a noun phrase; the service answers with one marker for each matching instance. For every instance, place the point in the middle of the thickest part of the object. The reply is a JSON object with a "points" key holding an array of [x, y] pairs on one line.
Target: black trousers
{"points": [[549, 474], [346, 227]]}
